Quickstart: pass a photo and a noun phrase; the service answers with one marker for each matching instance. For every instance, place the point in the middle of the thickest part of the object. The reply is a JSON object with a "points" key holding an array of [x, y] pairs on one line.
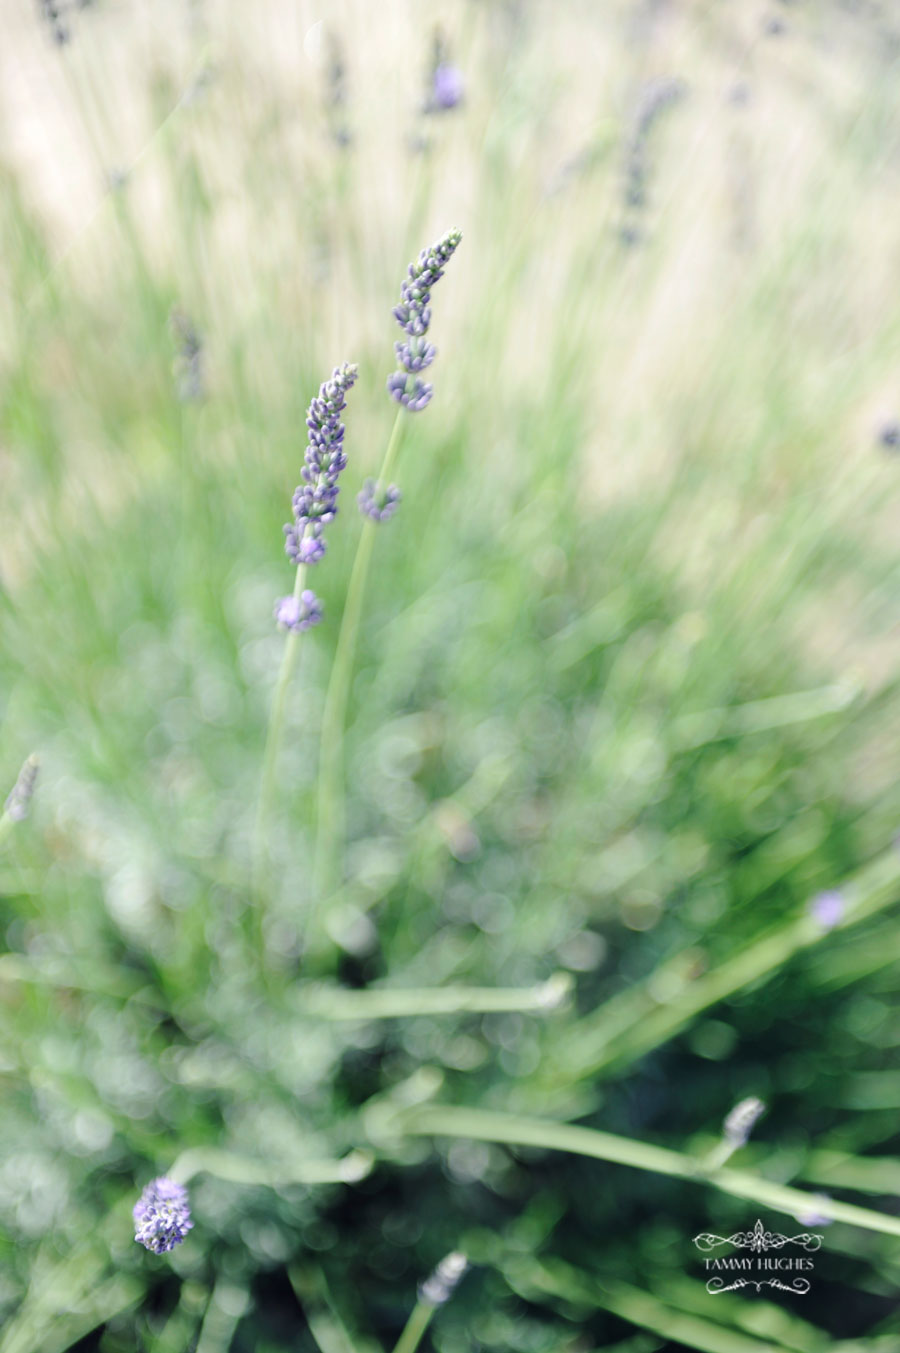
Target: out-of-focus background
{"points": [[625, 704]]}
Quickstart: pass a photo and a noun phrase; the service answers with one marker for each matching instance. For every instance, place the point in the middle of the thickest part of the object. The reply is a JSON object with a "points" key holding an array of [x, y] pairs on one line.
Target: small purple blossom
{"points": [[378, 506], [447, 88], [162, 1215], [827, 909], [413, 314], [298, 613], [19, 799]]}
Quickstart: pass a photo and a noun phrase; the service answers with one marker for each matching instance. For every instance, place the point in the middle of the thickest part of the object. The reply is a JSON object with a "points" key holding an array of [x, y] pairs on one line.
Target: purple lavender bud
{"points": [[415, 355], [413, 314], [162, 1215], [378, 507], [447, 87], [303, 549], [16, 806], [298, 613], [411, 392], [827, 908]]}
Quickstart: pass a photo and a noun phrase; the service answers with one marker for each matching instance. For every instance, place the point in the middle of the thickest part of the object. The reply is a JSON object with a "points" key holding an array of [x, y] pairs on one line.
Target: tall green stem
{"points": [[414, 1328], [270, 763], [330, 827], [444, 1120]]}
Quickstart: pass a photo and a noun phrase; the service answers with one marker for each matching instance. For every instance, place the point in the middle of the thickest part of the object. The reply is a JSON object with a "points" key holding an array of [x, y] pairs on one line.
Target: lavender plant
{"points": [[314, 506], [377, 503]]}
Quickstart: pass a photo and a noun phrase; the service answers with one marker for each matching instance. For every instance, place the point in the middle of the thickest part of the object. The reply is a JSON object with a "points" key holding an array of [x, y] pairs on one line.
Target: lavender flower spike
{"points": [[315, 500], [16, 806], [162, 1215], [440, 1286], [742, 1119], [413, 314]]}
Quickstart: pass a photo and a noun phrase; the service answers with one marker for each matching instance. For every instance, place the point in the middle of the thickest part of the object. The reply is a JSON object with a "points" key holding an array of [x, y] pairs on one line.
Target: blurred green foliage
{"points": [[624, 700]]}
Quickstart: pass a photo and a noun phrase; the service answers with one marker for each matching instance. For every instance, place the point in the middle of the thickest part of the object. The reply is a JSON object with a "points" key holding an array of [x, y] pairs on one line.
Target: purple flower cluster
{"points": [[447, 88], [315, 499], [378, 506], [162, 1216], [413, 314], [298, 613]]}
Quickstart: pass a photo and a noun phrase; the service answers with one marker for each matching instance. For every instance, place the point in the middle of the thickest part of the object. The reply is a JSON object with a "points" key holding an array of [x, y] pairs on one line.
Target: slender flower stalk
{"points": [[739, 1123], [434, 1292], [378, 502], [314, 505]]}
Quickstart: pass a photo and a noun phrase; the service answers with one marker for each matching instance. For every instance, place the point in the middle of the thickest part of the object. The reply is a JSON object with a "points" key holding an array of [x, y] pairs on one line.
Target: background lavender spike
{"points": [[441, 1284], [16, 806], [742, 1119], [162, 1215], [413, 314], [187, 367]]}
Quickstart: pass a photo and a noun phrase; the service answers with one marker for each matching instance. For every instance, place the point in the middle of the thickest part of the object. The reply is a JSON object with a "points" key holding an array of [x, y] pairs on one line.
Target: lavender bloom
{"points": [[315, 500], [379, 507], [298, 613], [655, 98], [442, 1283], [413, 314], [742, 1119], [51, 13], [447, 88], [162, 1215], [188, 365], [413, 394], [16, 806], [827, 909]]}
